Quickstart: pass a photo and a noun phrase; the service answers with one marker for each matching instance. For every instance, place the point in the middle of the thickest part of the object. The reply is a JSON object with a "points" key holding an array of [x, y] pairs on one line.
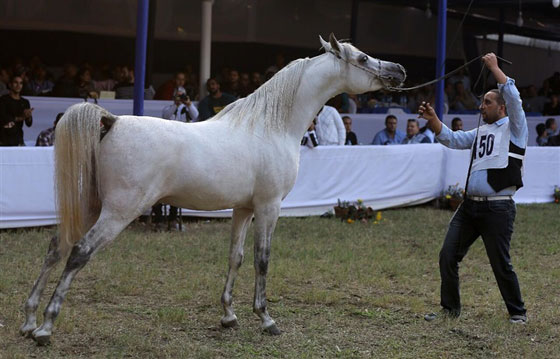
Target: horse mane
{"points": [[271, 103]]}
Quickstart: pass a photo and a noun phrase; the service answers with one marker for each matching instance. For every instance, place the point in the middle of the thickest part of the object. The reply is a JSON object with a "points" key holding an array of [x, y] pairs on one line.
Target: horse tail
{"points": [[77, 143]]}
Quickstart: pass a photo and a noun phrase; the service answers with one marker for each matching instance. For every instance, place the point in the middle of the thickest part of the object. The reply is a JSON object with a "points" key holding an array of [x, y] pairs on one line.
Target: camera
{"points": [[183, 97]]}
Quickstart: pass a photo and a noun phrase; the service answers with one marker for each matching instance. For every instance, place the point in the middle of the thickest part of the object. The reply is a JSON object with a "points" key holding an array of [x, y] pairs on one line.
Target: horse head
{"points": [[364, 73]]}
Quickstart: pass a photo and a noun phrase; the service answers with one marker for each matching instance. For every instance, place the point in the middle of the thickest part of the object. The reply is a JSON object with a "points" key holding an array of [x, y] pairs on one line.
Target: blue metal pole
{"points": [[140, 56], [440, 59]]}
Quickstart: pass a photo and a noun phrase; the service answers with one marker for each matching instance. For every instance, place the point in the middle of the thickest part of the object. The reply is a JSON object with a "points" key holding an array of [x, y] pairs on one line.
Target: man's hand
{"points": [[28, 112], [427, 112], [491, 61]]}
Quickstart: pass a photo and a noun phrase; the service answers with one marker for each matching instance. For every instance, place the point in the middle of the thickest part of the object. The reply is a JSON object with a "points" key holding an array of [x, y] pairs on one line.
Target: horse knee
{"points": [[262, 266]]}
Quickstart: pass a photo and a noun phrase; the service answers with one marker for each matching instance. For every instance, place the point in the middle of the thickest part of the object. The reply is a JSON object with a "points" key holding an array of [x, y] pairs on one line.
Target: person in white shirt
{"points": [[330, 128], [182, 109]]}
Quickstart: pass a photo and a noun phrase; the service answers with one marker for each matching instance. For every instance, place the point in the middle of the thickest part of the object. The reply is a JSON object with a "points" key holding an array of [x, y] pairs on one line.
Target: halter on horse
{"points": [[250, 165]]}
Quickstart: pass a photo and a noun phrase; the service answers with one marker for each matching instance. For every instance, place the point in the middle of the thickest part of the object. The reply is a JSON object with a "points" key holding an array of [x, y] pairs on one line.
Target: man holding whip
{"points": [[498, 148]]}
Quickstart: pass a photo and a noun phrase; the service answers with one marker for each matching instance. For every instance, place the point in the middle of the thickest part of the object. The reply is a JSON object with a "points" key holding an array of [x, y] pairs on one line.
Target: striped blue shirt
{"points": [[478, 182]]}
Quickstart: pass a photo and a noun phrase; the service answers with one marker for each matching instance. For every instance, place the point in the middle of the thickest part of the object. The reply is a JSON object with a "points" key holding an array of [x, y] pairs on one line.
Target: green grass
{"points": [[335, 289]]}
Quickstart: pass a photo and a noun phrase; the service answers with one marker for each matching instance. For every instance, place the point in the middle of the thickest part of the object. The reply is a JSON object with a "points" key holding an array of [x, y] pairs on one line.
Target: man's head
{"points": [[457, 124], [179, 79], [213, 87], [233, 76], [412, 128], [541, 129], [493, 106], [391, 123], [16, 84], [347, 123], [550, 124]]}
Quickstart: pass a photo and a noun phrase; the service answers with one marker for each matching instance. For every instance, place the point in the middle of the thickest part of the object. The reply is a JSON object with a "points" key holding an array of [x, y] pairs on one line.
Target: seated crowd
{"points": [[87, 81]]}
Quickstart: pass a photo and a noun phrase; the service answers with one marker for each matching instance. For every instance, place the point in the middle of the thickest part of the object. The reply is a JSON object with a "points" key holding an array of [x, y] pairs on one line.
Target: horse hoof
{"points": [[41, 337], [229, 323], [27, 330], [272, 330]]}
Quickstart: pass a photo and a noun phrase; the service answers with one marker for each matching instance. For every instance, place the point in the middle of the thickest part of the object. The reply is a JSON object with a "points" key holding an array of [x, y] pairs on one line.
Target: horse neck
{"points": [[321, 80]]}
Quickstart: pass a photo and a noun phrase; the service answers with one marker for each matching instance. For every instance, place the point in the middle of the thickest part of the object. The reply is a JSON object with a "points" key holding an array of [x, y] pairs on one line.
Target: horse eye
{"points": [[363, 59]]}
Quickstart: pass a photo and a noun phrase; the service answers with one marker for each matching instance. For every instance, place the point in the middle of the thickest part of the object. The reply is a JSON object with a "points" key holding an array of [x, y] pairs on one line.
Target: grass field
{"points": [[335, 290]]}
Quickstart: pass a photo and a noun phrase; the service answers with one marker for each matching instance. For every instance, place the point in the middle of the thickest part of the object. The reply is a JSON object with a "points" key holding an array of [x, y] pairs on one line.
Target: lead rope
{"points": [[475, 143]]}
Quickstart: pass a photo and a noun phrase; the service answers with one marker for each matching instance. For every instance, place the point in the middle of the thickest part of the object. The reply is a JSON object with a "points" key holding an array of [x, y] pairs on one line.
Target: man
{"points": [[456, 124], [46, 137], [215, 101], [169, 88], [330, 129], [182, 109], [488, 209], [14, 111], [550, 126], [413, 134], [351, 139], [389, 135]]}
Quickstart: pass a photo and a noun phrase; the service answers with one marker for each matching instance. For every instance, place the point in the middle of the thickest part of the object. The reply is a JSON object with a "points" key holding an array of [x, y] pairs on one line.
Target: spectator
{"points": [[256, 81], [551, 127], [554, 82], [169, 88], [329, 127], [244, 85], [413, 134], [4, 81], [552, 108], [46, 137], [232, 84], [389, 135], [40, 85], [214, 102], [279, 63], [351, 139], [426, 131], [310, 137], [542, 136], [456, 124], [66, 84], [182, 109], [340, 102], [108, 79], [125, 88], [533, 102], [86, 88], [14, 111], [463, 99], [554, 141]]}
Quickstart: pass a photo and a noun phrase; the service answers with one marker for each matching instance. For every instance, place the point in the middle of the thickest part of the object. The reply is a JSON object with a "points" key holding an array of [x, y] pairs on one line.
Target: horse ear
{"points": [[334, 44], [325, 45]]}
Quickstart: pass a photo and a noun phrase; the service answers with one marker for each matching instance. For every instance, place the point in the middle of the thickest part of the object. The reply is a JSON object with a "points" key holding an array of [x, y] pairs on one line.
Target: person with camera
{"points": [[182, 109]]}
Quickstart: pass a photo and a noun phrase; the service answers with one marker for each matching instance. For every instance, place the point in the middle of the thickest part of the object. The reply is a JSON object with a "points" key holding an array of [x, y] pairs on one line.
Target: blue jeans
{"points": [[493, 220]]}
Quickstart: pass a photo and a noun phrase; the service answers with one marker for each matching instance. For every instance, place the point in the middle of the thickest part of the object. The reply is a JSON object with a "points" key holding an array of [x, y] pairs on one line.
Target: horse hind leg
{"points": [[240, 223], [265, 222], [30, 308], [104, 231]]}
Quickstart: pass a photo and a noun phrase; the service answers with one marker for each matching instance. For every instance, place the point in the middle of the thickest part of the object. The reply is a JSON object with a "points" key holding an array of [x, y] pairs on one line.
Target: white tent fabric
{"points": [[382, 176]]}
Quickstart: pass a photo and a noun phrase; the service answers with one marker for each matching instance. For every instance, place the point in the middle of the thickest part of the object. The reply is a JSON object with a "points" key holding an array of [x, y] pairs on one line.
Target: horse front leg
{"points": [[240, 223], [51, 260], [265, 222]]}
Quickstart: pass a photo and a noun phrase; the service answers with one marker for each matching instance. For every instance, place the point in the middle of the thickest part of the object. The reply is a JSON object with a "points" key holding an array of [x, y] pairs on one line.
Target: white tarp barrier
{"points": [[382, 176]]}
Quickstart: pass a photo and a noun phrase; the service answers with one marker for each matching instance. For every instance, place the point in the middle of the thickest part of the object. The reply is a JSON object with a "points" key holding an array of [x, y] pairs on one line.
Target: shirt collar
{"points": [[501, 121]]}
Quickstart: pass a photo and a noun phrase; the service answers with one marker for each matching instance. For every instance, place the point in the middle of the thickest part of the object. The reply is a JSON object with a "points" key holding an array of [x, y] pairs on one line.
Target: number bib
{"points": [[491, 147]]}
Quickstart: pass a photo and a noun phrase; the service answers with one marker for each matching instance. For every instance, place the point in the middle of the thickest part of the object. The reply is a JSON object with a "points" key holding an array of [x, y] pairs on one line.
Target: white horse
{"points": [[112, 169]]}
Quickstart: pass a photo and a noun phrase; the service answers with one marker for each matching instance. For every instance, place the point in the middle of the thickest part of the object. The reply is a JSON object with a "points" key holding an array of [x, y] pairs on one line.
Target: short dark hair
{"points": [[549, 122], [540, 129], [414, 120], [499, 98], [455, 120], [343, 117], [390, 117]]}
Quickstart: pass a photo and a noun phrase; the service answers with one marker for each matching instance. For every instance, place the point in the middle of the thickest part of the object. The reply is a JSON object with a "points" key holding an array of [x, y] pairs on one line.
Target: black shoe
{"points": [[518, 319], [443, 314]]}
